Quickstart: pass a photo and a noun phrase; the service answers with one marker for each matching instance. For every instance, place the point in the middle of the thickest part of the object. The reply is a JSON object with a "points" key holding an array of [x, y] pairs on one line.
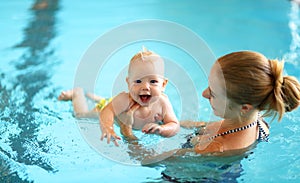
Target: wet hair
{"points": [[143, 55], [140, 55], [251, 78]]}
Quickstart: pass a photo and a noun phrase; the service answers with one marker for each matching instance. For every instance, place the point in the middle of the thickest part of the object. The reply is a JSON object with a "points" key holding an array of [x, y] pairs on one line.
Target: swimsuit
{"points": [[262, 135], [103, 102]]}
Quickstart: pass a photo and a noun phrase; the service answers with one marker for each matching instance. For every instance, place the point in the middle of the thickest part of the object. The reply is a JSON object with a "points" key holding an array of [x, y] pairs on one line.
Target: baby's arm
{"points": [[106, 124], [116, 106], [171, 124], [126, 120]]}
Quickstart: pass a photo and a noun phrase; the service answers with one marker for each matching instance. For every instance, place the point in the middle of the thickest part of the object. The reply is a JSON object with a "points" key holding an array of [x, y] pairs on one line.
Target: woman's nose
{"points": [[206, 93]]}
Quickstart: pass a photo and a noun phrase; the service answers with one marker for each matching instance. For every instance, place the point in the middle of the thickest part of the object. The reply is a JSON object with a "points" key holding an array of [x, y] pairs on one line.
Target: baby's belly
{"points": [[140, 123]]}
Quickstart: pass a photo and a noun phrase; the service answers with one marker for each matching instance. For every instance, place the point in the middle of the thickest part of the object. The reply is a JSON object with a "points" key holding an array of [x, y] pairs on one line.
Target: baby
{"points": [[145, 107]]}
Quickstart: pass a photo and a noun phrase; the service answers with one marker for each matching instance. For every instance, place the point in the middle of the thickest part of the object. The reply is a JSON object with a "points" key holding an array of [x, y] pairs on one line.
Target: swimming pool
{"points": [[42, 46]]}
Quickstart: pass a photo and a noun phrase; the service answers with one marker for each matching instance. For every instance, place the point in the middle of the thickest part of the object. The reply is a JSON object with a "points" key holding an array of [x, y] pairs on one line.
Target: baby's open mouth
{"points": [[145, 98]]}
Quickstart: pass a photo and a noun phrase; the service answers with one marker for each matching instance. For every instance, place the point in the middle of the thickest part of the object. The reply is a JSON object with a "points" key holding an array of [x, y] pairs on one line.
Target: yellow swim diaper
{"points": [[103, 102]]}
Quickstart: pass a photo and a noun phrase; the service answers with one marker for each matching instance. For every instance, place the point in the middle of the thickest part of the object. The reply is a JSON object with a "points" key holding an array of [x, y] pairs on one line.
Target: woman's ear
{"points": [[246, 108]]}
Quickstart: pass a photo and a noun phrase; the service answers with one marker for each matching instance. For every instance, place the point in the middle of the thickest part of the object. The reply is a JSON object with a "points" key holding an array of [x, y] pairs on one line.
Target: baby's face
{"points": [[145, 80]]}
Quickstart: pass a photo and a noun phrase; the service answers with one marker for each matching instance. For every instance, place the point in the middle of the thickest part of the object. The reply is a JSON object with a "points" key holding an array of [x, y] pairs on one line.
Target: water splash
{"points": [[294, 24], [21, 145]]}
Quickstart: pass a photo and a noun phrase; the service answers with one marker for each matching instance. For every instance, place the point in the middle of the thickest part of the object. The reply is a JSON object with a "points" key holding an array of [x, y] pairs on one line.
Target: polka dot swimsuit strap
{"points": [[234, 130], [263, 136]]}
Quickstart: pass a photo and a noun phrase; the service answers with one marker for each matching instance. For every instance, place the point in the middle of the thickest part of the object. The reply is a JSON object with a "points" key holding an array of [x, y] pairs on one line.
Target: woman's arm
{"points": [[192, 124]]}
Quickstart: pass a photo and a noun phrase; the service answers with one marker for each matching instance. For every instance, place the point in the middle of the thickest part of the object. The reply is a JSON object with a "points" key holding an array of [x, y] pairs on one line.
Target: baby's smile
{"points": [[145, 98]]}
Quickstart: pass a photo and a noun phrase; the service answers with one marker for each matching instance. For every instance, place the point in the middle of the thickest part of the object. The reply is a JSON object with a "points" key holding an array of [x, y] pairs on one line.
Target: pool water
{"points": [[42, 45]]}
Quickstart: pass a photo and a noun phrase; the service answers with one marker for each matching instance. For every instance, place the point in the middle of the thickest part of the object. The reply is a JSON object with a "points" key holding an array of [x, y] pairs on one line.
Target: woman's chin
{"points": [[218, 114]]}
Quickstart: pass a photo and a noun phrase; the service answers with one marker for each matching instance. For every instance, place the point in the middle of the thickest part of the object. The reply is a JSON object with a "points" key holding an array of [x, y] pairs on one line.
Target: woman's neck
{"points": [[240, 120]]}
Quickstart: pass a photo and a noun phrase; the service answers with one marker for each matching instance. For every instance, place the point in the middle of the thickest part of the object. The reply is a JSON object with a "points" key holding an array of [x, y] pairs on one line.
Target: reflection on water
{"points": [[203, 169], [36, 139], [21, 119]]}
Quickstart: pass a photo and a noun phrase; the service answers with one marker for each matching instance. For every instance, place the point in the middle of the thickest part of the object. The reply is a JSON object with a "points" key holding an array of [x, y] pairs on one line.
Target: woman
{"points": [[243, 87]]}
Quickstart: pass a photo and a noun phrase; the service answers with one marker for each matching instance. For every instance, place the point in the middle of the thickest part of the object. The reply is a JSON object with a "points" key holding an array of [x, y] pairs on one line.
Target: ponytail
{"points": [[291, 93], [285, 96], [251, 78]]}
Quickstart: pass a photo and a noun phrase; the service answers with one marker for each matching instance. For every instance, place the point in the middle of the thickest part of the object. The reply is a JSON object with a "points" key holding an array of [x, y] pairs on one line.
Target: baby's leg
{"points": [[94, 97], [79, 101]]}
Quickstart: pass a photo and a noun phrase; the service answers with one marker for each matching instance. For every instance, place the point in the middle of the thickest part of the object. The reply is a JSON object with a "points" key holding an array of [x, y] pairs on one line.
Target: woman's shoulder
{"points": [[209, 147]]}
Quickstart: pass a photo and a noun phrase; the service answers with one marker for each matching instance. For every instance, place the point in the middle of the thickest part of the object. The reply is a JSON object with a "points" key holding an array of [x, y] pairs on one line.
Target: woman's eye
{"points": [[212, 95], [138, 81], [153, 81]]}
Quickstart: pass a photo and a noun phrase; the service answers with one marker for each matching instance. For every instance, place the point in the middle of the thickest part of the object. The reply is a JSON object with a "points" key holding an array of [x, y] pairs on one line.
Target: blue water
{"points": [[42, 47]]}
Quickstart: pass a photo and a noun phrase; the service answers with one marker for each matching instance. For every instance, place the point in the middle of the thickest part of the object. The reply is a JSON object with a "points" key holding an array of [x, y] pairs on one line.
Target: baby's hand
{"points": [[110, 134], [152, 128]]}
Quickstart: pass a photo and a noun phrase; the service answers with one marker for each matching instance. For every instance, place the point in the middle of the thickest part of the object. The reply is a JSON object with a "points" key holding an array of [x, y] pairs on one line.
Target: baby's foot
{"points": [[66, 95]]}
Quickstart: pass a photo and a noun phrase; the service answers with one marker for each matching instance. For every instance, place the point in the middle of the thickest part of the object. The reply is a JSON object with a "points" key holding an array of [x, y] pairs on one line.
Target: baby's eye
{"points": [[153, 81], [138, 81]]}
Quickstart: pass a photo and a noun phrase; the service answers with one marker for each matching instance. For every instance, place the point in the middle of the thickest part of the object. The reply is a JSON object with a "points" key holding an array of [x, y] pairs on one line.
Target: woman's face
{"points": [[216, 94]]}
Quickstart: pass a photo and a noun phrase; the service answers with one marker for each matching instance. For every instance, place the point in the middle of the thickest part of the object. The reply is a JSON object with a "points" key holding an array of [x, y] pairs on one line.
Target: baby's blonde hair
{"points": [[144, 55]]}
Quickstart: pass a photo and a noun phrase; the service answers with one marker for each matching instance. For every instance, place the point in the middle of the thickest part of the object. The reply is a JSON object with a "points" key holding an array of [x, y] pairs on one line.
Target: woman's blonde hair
{"points": [[251, 78]]}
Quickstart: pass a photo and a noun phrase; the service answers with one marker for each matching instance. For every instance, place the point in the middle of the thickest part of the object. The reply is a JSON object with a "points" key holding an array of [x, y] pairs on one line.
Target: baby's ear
{"points": [[127, 80], [165, 82]]}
